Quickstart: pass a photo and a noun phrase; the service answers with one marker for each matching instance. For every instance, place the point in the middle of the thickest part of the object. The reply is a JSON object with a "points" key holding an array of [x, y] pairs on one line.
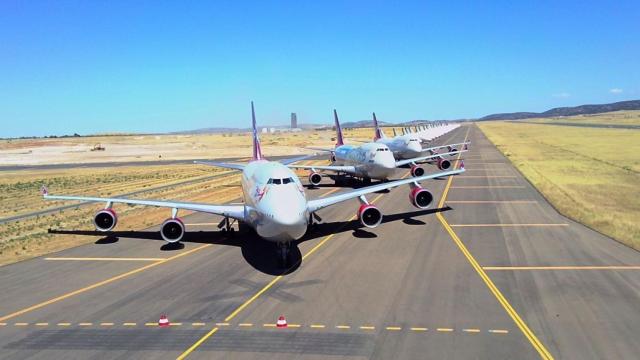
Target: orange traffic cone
{"points": [[282, 322], [163, 322]]}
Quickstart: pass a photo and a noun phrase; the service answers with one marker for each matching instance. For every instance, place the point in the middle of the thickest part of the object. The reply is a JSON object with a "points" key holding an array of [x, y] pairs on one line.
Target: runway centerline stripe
{"points": [[101, 259], [604, 267], [101, 283], [535, 342]]}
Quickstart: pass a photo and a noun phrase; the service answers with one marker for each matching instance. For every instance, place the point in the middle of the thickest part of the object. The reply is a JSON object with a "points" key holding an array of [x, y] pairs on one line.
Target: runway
{"points": [[492, 271]]}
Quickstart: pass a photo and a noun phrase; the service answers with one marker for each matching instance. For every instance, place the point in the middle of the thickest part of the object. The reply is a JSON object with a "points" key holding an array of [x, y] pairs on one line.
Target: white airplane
{"points": [[371, 160], [275, 204]]}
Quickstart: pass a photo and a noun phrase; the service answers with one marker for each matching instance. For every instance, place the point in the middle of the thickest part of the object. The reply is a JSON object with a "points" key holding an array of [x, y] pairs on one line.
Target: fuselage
{"points": [[403, 146], [275, 201], [371, 160]]}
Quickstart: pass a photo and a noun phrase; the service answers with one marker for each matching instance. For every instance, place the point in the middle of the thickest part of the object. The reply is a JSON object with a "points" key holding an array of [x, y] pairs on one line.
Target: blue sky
{"points": [[134, 66]]}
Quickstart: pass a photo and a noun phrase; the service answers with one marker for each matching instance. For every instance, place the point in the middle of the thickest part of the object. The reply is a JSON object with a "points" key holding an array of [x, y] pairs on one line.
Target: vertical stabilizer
{"points": [[257, 153], [394, 132], [379, 134], [339, 139]]}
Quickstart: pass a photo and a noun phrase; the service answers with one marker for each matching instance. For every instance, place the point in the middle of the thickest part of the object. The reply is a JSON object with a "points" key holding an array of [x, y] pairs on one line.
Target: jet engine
{"points": [[452, 149], [369, 215], [105, 220], [420, 197], [416, 171], [443, 164], [314, 178], [172, 230]]}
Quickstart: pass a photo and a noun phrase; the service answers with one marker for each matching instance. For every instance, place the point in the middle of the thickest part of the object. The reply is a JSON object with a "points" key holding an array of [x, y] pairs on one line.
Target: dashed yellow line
{"points": [[42, 324], [329, 192], [175, 324], [245, 324], [129, 324], [21, 324], [269, 325], [222, 324], [150, 324], [471, 330], [509, 225], [499, 331], [393, 328], [85, 324], [343, 327], [64, 324], [294, 325], [101, 259], [367, 327], [317, 326], [444, 329], [198, 324], [106, 324], [419, 329]]}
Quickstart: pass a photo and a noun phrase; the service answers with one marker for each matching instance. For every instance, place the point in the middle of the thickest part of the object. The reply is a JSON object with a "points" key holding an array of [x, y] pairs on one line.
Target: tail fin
{"points": [[394, 132], [257, 153], [339, 139], [379, 134]]}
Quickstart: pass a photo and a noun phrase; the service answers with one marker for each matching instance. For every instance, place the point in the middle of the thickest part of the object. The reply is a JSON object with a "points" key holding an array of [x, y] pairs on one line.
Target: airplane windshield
{"points": [[280, 181]]}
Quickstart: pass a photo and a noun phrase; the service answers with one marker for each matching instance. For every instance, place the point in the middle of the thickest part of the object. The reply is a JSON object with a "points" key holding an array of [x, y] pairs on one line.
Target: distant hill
{"points": [[568, 111], [363, 124]]}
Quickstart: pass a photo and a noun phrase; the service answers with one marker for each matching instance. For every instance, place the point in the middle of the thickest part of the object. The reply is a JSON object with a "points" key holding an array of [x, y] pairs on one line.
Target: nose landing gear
{"points": [[283, 254]]}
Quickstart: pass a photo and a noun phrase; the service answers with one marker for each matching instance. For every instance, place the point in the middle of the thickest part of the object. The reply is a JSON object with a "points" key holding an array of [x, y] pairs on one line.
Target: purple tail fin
{"points": [[339, 139], [257, 153], [379, 134]]}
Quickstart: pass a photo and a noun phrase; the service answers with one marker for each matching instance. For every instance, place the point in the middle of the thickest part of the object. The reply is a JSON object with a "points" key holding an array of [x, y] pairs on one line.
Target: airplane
{"points": [[275, 204], [371, 160]]}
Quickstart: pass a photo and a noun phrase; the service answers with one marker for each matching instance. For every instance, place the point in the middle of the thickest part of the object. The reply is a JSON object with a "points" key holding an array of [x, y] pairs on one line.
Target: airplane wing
{"points": [[427, 157], [320, 149], [347, 169], [232, 211], [317, 204], [444, 146], [296, 159], [222, 165]]}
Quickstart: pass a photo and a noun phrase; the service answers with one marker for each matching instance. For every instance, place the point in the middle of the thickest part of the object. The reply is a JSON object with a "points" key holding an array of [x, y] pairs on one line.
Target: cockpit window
{"points": [[280, 181], [287, 180]]}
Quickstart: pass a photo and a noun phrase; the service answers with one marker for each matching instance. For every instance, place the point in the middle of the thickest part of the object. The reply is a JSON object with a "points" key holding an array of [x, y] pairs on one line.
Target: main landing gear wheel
{"points": [[283, 254]]}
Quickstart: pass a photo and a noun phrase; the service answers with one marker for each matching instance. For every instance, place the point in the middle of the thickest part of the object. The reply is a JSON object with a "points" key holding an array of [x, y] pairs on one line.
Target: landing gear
{"points": [[226, 225], [366, 181], [283, 254]]}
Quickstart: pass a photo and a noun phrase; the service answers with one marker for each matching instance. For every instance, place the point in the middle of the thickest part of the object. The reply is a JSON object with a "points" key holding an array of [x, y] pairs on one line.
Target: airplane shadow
{"points": [[257, 252]]}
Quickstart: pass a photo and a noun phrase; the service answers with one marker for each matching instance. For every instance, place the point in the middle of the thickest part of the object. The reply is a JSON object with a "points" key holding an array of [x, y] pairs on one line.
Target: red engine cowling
{"points": [[416, 171], [314, 178], [443, 164], [369, 216], [105, 220], [172, 230], [420, 197]]}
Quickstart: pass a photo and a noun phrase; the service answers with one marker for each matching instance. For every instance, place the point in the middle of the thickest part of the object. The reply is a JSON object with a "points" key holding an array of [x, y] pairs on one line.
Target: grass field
{"points": [[589, 174], [612, 118]]}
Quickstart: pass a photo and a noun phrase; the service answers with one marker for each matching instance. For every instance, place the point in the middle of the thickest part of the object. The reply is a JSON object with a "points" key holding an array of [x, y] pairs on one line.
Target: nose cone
{"points": [[386, 160], [414, 148]]}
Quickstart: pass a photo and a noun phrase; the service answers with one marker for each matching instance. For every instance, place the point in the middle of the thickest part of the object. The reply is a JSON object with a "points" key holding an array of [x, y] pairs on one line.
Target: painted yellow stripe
{"points": [[42, 324], [492, 202], [129, 324], [101, 259], [367, 327], [393, 328], [499, 331], [542, 351], [21, 324], [471, 330], [175, 324], [294, 325], [444, 329], [150, 324], [317, 326], [269, 325], [507, 225], [245, 324], [343, 327], [329, 192], [197, 343], [419, 329], [106, 324], [614, 267], [3, 324], [101, 283], [490, 187], [64, 324], [198, 324], [222, 324], [85, 324]]}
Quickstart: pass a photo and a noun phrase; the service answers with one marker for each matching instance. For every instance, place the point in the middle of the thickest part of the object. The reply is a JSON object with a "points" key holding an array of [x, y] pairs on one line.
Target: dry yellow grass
{"points": [[611, 118], [589, 174]]}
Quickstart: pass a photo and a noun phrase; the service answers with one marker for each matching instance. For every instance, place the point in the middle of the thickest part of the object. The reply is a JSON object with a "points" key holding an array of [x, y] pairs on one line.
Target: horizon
{"points": [[144, 67]]}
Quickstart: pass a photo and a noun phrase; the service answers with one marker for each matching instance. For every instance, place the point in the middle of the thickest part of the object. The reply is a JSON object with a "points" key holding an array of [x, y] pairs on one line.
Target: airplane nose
{"points": [[387, 161]]}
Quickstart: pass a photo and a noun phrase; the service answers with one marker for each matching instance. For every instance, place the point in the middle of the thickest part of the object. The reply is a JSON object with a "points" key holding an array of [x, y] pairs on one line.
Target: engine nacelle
{"points": [[443, 164], [105, 220], [172, 230], [420, 197], [416, 171], [369, 215], [314, 178]]}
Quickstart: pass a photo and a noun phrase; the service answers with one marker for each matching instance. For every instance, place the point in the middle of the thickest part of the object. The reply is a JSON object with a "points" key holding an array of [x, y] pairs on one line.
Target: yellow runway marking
{"points": [[367, 327], [150, 324], [343, 327], [499, 331], [329, 192], [419, 329], [106, 324], [316, 326], [85, 324], [101, 283], [42, 324], [64, 324], [492, 202], [614, 267], [222, 324], [245, 324], [175, 324], [21, 324], [3, 324], [294, 325], [198, 324], [535, 342], [444, 329], [102, 259], [129, 324], [194, 346], [269, 325], [393, 328], [508, 225], [474, 187], [471, 330]]}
